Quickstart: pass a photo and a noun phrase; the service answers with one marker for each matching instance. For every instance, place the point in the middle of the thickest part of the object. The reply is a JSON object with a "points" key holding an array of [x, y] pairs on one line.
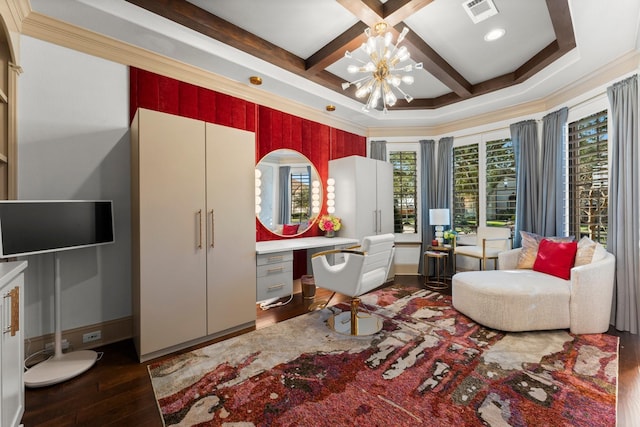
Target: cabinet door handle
{"points": [[276, 270], [199, 214], [375, 221], [379, 221], [212, 244], [275, 287], [13, 323]]}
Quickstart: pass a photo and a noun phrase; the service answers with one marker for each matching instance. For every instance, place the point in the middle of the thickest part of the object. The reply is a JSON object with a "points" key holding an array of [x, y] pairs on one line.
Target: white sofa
{"points": [[512, 299]]}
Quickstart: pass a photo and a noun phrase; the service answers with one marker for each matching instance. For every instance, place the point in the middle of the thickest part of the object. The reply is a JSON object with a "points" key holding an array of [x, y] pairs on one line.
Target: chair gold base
{"points": [[355, 323], [368, 324]]}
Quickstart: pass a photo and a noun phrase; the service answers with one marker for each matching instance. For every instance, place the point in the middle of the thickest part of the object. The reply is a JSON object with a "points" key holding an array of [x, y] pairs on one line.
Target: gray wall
{"points": [[73, 143]]}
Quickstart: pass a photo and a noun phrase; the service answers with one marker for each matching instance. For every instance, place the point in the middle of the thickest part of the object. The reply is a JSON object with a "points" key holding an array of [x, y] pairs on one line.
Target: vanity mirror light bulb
{"points": [[315, 184], [258, 200], [315, 197], [258, 209], [315, 190], [331, 189], [258, 173], [258, 191], [331, 209], [331, 196], [331, 202], [331, 181], [315, 209], [258, 182]]}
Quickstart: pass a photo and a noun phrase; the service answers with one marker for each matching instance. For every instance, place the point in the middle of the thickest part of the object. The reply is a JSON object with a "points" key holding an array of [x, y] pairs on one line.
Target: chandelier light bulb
{"points": [[352, 69], [408, 79], [402, 35]]}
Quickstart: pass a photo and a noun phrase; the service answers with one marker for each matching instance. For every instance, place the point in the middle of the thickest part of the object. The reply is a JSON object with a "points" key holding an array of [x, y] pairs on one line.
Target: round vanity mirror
{"points": [[288, 192]]}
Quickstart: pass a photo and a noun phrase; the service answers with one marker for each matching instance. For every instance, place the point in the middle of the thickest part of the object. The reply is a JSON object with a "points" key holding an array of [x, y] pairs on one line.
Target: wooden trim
{"points": [[112, 331]]}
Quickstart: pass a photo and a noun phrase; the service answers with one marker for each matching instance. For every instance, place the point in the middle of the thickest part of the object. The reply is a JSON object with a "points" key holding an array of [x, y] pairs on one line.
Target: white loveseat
{"points": [[512, 299]]}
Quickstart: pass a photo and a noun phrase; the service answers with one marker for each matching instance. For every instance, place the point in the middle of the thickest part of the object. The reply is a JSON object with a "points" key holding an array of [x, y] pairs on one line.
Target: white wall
{"points": [[73, 143]]}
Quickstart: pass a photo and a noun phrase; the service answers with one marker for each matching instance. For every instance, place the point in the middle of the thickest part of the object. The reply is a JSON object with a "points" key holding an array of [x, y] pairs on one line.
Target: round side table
{"points": [[438, 257]]}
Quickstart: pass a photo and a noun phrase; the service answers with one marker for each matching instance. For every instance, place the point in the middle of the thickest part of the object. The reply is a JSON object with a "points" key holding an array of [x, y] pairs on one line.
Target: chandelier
{"points": [[384, 73]]}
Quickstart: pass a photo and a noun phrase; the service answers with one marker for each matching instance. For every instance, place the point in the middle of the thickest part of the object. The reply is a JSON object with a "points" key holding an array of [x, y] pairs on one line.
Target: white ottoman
{"points": [[513, 300]]}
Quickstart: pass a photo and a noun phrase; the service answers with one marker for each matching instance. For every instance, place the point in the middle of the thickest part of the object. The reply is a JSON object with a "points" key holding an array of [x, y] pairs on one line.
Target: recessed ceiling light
{"points": [[331, 107], [255, 80], [494, 34]]}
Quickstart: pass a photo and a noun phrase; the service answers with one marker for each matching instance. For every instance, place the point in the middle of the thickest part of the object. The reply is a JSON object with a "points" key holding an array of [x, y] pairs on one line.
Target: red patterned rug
{"points": [[430, 365]]}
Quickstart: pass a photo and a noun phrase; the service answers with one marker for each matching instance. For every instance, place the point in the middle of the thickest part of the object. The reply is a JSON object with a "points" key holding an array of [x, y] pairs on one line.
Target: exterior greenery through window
{"points": [[465, 188], [404, 190], [589, 177], [300, 197], [501, 183]]}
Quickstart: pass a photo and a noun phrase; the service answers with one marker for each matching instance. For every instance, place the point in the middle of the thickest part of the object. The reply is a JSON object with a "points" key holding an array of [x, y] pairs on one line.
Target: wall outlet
{"points": [[51, 346], [91, 336]]}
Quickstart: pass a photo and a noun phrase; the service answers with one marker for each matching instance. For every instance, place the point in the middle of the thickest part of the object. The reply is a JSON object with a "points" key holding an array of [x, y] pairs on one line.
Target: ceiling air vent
{"points": [[479, 10]]}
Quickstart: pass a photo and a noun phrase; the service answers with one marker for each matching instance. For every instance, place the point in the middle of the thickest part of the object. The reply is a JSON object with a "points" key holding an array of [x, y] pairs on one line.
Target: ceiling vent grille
{"points": [[479, 10]]}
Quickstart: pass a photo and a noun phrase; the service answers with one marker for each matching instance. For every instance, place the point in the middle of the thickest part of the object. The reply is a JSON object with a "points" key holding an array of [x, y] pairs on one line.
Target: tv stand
{"points": [[61, 366]]}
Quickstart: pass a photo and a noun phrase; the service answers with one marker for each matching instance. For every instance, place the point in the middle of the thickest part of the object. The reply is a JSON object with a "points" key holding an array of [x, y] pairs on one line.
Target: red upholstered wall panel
{"points": [[160, 93], [274, 129]]}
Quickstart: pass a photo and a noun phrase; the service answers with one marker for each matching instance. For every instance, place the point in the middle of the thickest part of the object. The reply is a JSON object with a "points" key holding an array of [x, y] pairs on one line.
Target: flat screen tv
{"points": [[30, 227]]}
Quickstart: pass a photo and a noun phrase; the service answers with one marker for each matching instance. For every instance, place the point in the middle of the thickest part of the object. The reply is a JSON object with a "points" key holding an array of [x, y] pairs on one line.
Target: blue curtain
{"points": [[551, 183], [378, 150], [429, 191], [525, 145], [444, 191], [285, 195], [624, 203]]}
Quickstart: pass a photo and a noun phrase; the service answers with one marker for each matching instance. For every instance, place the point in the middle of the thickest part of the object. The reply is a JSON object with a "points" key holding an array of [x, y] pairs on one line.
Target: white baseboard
{"points": [[111, 331]]}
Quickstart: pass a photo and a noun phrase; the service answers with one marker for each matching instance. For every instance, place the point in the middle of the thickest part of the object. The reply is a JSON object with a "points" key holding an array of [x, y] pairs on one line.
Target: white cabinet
{"points": [[363, 195], [274, 275], [193, 231], [12, 343]]}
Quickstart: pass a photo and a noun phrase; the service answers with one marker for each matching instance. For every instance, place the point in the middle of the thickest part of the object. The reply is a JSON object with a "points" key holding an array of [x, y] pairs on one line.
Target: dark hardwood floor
{"points": [[117, 390]]}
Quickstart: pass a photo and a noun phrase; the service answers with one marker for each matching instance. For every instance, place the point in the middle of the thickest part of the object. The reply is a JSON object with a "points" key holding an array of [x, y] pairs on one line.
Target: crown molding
{"points": [[54, 31], [51, 30]]}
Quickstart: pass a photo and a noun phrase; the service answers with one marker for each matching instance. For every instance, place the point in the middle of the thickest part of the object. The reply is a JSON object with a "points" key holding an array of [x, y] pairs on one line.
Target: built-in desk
{"points": [[274, 262]]}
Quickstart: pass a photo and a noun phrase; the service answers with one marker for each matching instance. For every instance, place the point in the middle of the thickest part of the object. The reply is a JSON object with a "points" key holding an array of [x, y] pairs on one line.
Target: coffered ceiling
{"points": [[298, 47]]}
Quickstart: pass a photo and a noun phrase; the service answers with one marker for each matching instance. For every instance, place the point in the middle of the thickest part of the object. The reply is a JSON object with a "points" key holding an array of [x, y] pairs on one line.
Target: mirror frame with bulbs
{"points": [[267, 170]]}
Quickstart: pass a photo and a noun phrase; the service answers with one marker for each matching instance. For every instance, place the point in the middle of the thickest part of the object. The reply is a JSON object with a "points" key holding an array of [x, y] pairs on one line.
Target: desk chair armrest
{"points": [[339, 251]]}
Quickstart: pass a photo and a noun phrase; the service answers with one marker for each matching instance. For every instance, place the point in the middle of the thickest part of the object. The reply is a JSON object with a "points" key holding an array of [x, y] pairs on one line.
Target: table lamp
{"points": [[439, 218]]}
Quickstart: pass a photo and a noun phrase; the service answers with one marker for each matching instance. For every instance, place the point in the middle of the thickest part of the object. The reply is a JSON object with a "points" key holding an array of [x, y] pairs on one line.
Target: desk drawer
{"points": [[274, 258], [274, 269], [274, 285]]}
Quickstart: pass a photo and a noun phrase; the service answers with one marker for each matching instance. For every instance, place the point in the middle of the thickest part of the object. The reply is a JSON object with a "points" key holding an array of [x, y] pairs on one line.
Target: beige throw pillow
{"points": [[586, 248], [530, 243]]}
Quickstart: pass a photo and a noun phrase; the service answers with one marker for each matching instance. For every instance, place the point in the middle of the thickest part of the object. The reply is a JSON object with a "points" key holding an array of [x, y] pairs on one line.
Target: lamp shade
{"points": [[439, 216]]}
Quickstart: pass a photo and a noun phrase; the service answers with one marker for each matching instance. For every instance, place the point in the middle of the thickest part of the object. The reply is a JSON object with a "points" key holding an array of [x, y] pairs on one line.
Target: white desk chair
{"points": [[364, 269]]}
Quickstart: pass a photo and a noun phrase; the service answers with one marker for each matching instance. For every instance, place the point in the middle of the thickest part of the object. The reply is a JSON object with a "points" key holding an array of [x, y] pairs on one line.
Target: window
{"points": [[501, 183], [300, 197], [465, 188], [404, 190], [589, 177]]}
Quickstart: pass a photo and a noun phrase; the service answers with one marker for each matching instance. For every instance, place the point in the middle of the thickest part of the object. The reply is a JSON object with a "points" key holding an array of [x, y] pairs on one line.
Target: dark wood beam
{"points": [[332, 52], [436, 65], [396, 11]]}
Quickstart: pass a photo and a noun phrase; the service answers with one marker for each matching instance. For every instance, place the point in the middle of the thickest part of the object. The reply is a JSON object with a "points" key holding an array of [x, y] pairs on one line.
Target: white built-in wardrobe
{"points": [[363, 195], [193, 231]]}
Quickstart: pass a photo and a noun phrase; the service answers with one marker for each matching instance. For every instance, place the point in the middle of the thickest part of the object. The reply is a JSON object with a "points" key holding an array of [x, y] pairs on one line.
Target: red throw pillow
{"points": [[290, 229], [556, 258]]}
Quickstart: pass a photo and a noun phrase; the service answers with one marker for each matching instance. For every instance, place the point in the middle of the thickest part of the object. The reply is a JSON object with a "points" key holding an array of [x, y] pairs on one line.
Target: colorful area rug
{"points": [[430, 365]]}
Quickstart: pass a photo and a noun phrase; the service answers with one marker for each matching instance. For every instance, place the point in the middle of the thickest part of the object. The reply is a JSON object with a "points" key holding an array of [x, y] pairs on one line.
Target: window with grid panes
{"points": [[404, 190], [589, 177], [300, 197], [465, 188], [500, 183]]}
